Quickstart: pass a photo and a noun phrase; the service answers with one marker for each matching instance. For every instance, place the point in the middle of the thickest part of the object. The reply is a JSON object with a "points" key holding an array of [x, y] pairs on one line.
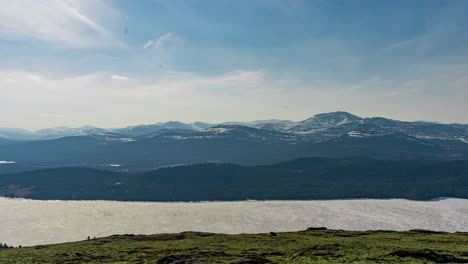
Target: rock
{"points": [[429, 255]]}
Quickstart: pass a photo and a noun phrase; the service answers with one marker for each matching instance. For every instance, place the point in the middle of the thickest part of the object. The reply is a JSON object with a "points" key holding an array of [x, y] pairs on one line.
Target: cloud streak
{"points": [[58, 22], [160, 42], [119, 77]]}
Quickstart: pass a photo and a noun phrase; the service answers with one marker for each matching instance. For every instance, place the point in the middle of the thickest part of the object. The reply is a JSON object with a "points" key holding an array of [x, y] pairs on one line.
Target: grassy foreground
{"points": [[311, 246]]}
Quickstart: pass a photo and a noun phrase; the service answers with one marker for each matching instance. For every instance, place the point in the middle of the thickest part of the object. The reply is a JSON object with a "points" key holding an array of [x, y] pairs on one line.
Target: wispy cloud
{"points": [[401, 44], [440, 29], [119, 77], [59, 22], [235, 95], [159, 42], [122, 103]]}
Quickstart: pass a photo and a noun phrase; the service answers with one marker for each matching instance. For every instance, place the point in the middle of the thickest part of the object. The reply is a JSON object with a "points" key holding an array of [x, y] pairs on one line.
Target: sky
{"points": [[118, 63]]}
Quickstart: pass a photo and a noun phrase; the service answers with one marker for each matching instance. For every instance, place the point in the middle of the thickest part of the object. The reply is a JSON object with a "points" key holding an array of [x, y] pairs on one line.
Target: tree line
{"points": [[5, 245]]}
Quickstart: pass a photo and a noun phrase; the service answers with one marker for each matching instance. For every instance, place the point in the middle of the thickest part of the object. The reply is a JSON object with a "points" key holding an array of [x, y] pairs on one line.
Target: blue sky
{"points": [[118, 62]]}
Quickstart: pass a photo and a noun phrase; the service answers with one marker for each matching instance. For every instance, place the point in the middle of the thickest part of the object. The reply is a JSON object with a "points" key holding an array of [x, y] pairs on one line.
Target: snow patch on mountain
{"points": [[219, 130], [114, 137]]}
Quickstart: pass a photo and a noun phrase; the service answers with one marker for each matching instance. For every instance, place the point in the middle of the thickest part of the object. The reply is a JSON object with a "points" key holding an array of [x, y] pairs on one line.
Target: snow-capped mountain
{"points": [[327, 126], [318, 128], [260, 123], [147, 129], [337, 134], [225, 132], [321, 121], [419, 129], [196, 126], [57, 132], [15, 134], [365, 134]]}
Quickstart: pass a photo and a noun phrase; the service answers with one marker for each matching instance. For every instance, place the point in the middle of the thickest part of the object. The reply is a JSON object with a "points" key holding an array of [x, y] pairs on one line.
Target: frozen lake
{"points": [[30, 222]]}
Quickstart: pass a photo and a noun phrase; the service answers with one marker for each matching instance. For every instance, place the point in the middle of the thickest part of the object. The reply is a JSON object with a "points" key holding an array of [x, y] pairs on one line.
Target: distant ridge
{"points": [[334, 135], [322, 120], [318, 121], [300, 179]]}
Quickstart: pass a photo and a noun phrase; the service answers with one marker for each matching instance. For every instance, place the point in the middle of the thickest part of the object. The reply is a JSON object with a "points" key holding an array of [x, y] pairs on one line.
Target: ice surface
{"points": [[31, 222]]}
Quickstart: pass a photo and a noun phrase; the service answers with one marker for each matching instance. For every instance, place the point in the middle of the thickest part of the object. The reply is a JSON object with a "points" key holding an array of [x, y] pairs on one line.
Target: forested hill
{"points": [[308, 178]]}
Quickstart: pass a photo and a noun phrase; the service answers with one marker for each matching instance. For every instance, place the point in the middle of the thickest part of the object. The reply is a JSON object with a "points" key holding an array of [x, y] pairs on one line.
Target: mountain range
{"points": [[319, 127], [147, 147]]}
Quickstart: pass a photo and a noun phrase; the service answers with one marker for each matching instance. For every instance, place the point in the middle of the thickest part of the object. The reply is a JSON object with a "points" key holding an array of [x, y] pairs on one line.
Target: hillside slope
{"points": [[315, 245], [310, 178]]}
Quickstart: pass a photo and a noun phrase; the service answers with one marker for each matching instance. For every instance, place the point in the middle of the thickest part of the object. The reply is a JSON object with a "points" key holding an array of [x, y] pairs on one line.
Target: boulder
{"points": [[429, 255]]}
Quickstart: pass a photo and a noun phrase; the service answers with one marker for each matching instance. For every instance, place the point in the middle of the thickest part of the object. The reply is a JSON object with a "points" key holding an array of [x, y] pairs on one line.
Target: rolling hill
{"points": [[309, 178]]}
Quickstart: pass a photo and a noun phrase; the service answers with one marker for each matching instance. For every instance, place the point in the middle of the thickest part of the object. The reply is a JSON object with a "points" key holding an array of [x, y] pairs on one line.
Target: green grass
{"points": [[315, 246]]}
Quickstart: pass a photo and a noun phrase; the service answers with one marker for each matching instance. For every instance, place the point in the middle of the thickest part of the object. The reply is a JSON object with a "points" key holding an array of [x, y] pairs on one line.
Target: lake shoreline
{"points": [[234, 201]]}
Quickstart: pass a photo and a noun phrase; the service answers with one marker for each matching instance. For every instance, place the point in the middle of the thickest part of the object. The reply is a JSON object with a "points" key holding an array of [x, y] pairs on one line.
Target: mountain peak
{"points": [[332, 119], [337, 115], [325, 120]]}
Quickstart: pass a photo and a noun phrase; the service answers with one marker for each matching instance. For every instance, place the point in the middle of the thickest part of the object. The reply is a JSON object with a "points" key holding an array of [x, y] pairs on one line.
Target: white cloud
{"points": [[35, 100], [56, 21], [148, 44], [159, 42], [31, 100], [119, 77]]}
